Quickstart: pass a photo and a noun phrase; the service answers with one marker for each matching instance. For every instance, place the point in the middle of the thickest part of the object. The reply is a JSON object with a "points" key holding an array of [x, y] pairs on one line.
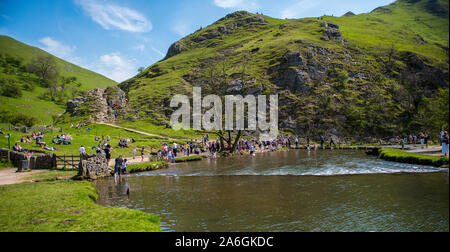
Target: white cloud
{"points": [[249, 5], [115, 67], [111, 16], [57, 48]]}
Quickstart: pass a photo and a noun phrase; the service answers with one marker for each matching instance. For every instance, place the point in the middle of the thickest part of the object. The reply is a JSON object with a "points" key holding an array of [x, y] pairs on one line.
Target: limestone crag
{"points": [[99, 104], [93, 167]]}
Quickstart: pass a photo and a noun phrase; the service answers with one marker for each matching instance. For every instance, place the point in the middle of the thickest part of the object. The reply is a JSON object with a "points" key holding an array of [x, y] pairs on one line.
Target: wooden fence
{"points": [[68, 162]]}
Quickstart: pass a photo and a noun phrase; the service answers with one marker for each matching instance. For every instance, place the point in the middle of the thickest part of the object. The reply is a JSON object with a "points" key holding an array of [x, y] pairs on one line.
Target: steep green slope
{"points": [[379, 74], [88, 79], [24, 93]]}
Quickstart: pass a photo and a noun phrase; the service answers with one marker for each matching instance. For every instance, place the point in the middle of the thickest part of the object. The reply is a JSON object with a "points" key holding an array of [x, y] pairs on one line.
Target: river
{"points": [[291, 191]]}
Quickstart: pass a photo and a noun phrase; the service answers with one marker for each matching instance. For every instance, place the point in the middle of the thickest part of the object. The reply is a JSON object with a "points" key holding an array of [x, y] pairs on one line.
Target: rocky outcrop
{"points": [[99, 104], [93, 167], [349, 14], [331, 32], [174, 49], [436, 8]]}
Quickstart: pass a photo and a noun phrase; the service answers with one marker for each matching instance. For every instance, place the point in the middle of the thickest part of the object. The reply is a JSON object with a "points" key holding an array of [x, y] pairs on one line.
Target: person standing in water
{"points": [[332, 142], [118, 168]]}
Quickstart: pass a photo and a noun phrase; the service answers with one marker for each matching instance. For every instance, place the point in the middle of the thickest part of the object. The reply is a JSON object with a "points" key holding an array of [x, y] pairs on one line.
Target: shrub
{"points": [[22, 119], [188, 159], [148, 166], [9, 88]]}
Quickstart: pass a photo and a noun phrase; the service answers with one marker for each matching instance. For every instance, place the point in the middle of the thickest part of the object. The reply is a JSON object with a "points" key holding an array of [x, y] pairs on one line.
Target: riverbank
{"points": [[401, 156], [65, 206]]}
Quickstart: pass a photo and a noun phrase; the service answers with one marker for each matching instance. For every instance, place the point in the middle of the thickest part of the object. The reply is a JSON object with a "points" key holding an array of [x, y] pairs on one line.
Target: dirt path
{"points": [[9, 176], [431, 151], [139, 132]]}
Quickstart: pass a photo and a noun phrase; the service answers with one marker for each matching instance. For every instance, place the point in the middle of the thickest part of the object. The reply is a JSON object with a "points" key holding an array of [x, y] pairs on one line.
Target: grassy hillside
{"points": [[24, 93], [377, 74], [88, 79]]}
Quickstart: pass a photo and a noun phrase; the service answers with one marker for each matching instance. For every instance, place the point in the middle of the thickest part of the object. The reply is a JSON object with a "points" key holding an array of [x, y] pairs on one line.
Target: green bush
{"points": [[148, 166], [412, 158], [188, 159], [22, 119], [9, 88]]}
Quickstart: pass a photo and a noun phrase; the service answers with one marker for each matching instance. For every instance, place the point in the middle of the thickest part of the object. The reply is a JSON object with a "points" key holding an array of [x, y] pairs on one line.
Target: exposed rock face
{"points": [[99, 103], [435, 7], [73, 105], [174, 49], [293, 59], [294, 79], [93, 167], [332, 32], [349, 14]]}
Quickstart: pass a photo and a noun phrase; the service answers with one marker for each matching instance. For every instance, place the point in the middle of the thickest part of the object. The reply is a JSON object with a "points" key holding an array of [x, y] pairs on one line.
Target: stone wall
{"points": [[37, 161], [93, 167]]}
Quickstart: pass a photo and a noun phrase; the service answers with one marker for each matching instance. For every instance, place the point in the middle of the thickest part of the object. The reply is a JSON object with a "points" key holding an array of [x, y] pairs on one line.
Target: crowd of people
{"points": [[38, 138]]}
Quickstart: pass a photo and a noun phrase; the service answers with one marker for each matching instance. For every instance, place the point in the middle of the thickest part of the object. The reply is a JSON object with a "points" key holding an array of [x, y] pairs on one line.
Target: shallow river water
{"points": [[288, 191]]}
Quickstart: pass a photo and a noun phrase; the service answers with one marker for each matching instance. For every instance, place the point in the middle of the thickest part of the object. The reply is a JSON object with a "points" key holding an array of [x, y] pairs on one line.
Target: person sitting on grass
{"points": [[46, 147], [17, 148], [39, 141], [65, 142]]}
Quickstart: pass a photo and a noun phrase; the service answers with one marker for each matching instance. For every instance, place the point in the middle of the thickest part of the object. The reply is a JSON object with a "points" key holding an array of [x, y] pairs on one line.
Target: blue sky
{"points": [[116, 37]]}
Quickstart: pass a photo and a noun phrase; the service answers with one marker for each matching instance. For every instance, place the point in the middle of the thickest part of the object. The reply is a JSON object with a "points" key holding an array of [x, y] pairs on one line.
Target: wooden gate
{"points": [[68, 162]]}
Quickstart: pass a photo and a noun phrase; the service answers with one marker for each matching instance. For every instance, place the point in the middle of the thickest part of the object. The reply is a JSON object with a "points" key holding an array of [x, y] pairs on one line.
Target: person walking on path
{"points": [[445, 142], [142, 154], [134, 153], [422, 141]]}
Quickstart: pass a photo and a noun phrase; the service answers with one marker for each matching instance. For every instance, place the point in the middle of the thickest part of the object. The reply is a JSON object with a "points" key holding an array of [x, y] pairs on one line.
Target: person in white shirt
{"points": [[82, 150], [175, 149]]}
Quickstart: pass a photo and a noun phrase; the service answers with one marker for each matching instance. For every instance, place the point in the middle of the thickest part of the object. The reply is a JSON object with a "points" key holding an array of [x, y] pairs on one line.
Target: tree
{"points": [[141, 69], [45, 68], [217, 77]]}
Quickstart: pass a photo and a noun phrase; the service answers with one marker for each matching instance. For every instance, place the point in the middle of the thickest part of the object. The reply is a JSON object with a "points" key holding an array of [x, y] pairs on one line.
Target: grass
{"points": [[5, 164], [147, 166], [188, 159], [52, 175], [412, 158], [83, 137], [65, 206], [89, 79]]}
